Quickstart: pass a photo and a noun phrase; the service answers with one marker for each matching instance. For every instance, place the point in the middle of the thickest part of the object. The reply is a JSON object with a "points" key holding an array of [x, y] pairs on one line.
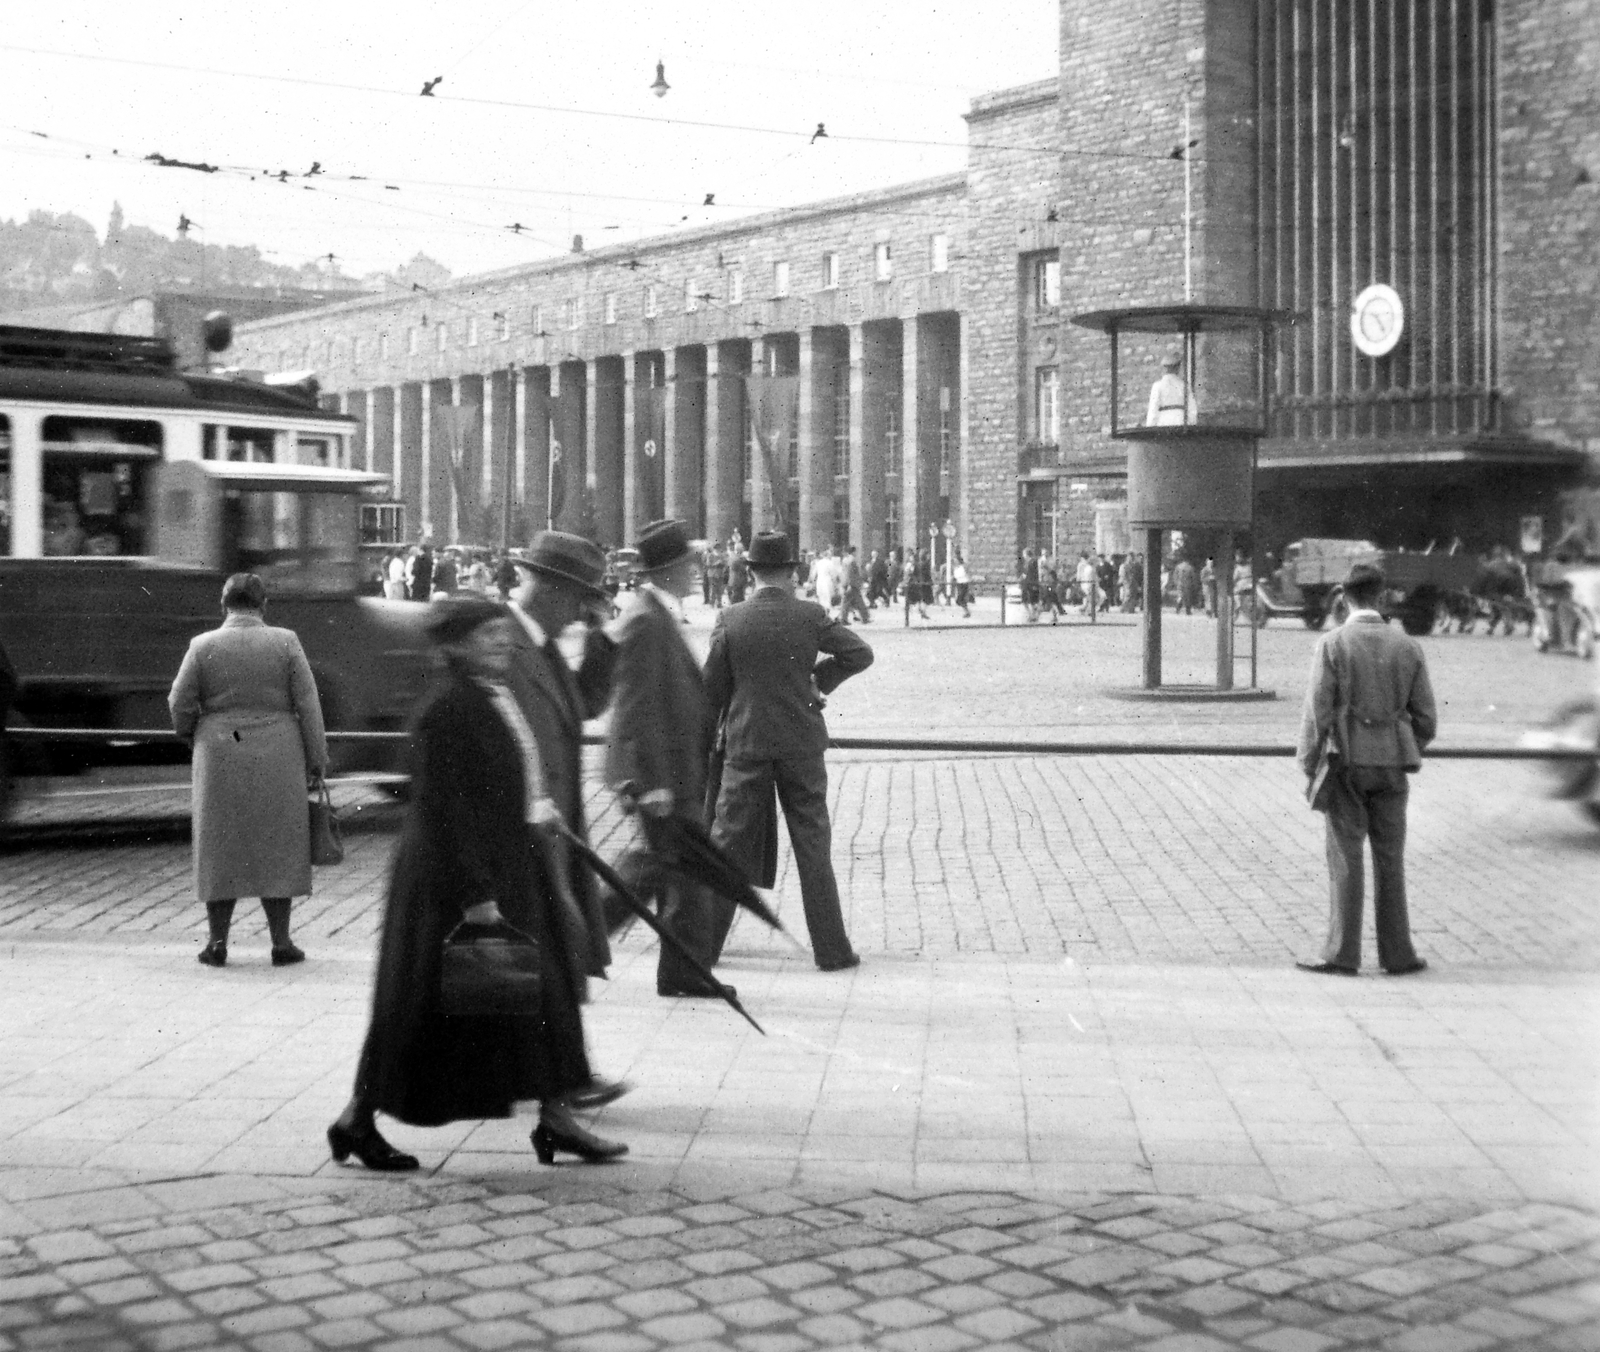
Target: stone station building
{"points": [[1448, 149]]}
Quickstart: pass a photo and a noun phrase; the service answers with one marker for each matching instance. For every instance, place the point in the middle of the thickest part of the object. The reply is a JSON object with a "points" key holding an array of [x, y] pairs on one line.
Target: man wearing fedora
{"points": [[559, 585], [767, 683], [661, 733]]}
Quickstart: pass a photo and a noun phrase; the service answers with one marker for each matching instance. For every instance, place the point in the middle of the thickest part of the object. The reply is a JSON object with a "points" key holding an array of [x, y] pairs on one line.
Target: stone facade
{"points": [[937, 379]]}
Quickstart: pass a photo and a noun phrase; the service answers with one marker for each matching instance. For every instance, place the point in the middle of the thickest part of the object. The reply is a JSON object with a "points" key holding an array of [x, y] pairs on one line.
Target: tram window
{"points": [[5, 485], [248, 445], [383, 523], [95, 485], [298, 543]]}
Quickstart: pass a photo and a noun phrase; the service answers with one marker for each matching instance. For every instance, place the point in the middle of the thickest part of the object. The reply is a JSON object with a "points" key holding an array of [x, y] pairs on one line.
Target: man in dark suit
{"points": [[766, 682], [1370, 695], [560, 585], [661, 732]]}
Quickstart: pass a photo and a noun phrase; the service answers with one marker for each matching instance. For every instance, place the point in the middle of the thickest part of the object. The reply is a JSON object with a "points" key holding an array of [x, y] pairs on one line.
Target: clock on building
{"points": [[1377, 320]]}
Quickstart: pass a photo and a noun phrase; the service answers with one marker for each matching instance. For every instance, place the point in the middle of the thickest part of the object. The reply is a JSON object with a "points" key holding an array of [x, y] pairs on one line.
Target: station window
{"points": [[472, 331], [441, 337], [780, 279], [574, 314], [383, 523], [891, 439], [298, 543], [356, 352], [411, 341], [1047, 284], [502, 326], [538, 321], [882, 261], [323, 451], [611, 308], [95, 477], [652, 301], [830, 271], [383, 347], [841, 522], [939, 253], [691, 301], [735, 288], [1047, 405], [841, 424]]}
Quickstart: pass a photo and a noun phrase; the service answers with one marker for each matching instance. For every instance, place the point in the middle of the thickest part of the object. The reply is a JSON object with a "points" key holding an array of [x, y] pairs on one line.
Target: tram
{"points": [[85, 417]]}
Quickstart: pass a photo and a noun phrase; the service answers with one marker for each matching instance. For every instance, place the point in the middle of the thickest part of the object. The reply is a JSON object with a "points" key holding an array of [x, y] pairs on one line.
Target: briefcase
{"points": [[489, 971], [327, 844]]}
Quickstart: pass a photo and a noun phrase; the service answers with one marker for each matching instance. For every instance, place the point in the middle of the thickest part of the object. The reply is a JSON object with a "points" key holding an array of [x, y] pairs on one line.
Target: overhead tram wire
{"points": [[1141, 156]]}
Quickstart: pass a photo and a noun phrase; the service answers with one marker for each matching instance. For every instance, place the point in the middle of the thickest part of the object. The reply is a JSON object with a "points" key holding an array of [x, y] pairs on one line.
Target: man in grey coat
{"points": [[766, 681], [1371, 697]]}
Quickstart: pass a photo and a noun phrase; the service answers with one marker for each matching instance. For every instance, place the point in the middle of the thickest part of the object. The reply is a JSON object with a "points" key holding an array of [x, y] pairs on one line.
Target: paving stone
{"points": [[897, 1312], [682, 1328]]}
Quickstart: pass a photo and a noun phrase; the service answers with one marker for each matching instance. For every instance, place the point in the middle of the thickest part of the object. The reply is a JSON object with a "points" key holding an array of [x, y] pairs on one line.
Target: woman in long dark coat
{"points": [[469, 852]]}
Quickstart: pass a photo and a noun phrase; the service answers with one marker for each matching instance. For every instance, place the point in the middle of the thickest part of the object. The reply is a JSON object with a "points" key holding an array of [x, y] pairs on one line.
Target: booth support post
{"points": [[1152, 609], [1224, 570]]}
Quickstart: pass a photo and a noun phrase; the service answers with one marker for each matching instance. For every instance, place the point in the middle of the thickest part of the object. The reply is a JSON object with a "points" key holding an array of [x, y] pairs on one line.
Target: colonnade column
{"points": [[633, 496], [425, 485], [815, 466], [722, 513], [591, 442], [399, 450], [486, 461], [668, 449], [862, 476], [910, 436], [519, 436], [367, 429]]}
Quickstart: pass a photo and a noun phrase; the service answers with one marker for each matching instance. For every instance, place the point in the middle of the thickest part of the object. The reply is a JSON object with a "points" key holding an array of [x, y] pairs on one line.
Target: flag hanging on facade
{"points": [[556, 496], [653, 475], [771, 403]]}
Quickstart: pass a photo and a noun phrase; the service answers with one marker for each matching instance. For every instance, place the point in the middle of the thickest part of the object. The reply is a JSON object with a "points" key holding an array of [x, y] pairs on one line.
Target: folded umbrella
{"points": [[685, 847], [630, 899]]}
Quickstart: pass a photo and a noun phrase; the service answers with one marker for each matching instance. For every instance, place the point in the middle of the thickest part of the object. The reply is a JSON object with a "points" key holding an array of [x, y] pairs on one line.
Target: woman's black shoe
{"points": [[576, 1141], [288, 955], [214, 954], [370, 1148]]}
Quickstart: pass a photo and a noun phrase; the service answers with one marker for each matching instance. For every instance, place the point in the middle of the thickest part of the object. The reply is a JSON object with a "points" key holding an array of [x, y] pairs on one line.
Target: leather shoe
{"points": [[1418, 966], [854, 960], [1326, 968], [694, 993], [597, 1093]]}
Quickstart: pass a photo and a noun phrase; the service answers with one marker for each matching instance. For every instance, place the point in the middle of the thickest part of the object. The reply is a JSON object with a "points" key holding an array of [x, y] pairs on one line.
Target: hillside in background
{"points": [[58, 259]]}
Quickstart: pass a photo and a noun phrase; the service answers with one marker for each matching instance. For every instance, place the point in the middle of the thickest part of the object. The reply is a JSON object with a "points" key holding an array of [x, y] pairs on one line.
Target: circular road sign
{"points": [[1377, 320]]}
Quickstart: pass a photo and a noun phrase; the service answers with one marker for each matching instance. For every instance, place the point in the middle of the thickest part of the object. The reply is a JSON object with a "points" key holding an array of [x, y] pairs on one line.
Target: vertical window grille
{"points": [[891, 522], [1047, 405], [841, 423], [1047, 284], [891, 439], [947, 440], [794, 448], [1375, 163]]}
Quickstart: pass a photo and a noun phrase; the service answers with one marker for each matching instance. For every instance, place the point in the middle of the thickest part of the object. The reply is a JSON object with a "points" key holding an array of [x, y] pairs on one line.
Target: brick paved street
{"points": [[1075, 1097]]}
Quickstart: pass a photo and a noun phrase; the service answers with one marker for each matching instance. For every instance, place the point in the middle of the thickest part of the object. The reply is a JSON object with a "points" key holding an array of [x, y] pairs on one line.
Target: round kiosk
{"points": [[1189, 396]]}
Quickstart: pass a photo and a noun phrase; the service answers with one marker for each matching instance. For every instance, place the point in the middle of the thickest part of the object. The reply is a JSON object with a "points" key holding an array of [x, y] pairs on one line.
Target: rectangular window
{"points": [[1047, 405], [947, 439], [882, 261], [472, 331], [574, 314], [412, 341], [502, 331], [383, 523], [652, 301], [538, 321], [320, 451], [1047, 284], [242, 445], [356, 353], [939, 253], [891, 522], [383, 347], [611, 308], [830, 271], [891, 440], [95, 484], [441, 336], [735, 288], [841, 522], [780, 279], [297, 543], [691, 301]]}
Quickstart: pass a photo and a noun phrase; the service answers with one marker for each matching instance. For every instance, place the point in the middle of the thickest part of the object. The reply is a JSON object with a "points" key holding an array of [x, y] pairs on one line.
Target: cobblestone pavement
{"points": [[1075, 1096], [593, 1267]]}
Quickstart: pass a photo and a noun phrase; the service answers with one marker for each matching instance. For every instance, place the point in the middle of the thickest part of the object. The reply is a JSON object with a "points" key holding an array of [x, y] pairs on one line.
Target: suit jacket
{"points": [[661, 723], [556, 703], [759, 674], [1370, 688]]}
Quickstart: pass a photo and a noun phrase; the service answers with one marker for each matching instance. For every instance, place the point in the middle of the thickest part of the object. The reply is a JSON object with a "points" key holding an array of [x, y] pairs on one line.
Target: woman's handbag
{"points": [[327, 845], [489, 971]]}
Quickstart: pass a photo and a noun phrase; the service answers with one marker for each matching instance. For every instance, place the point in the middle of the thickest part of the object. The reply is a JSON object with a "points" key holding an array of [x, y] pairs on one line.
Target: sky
{"points": [[450, 175]]}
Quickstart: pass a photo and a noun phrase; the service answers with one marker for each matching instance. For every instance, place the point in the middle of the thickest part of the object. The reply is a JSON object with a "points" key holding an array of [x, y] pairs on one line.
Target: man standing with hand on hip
{"points": [[766, 681], [660, 736], [1371, 698]]}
